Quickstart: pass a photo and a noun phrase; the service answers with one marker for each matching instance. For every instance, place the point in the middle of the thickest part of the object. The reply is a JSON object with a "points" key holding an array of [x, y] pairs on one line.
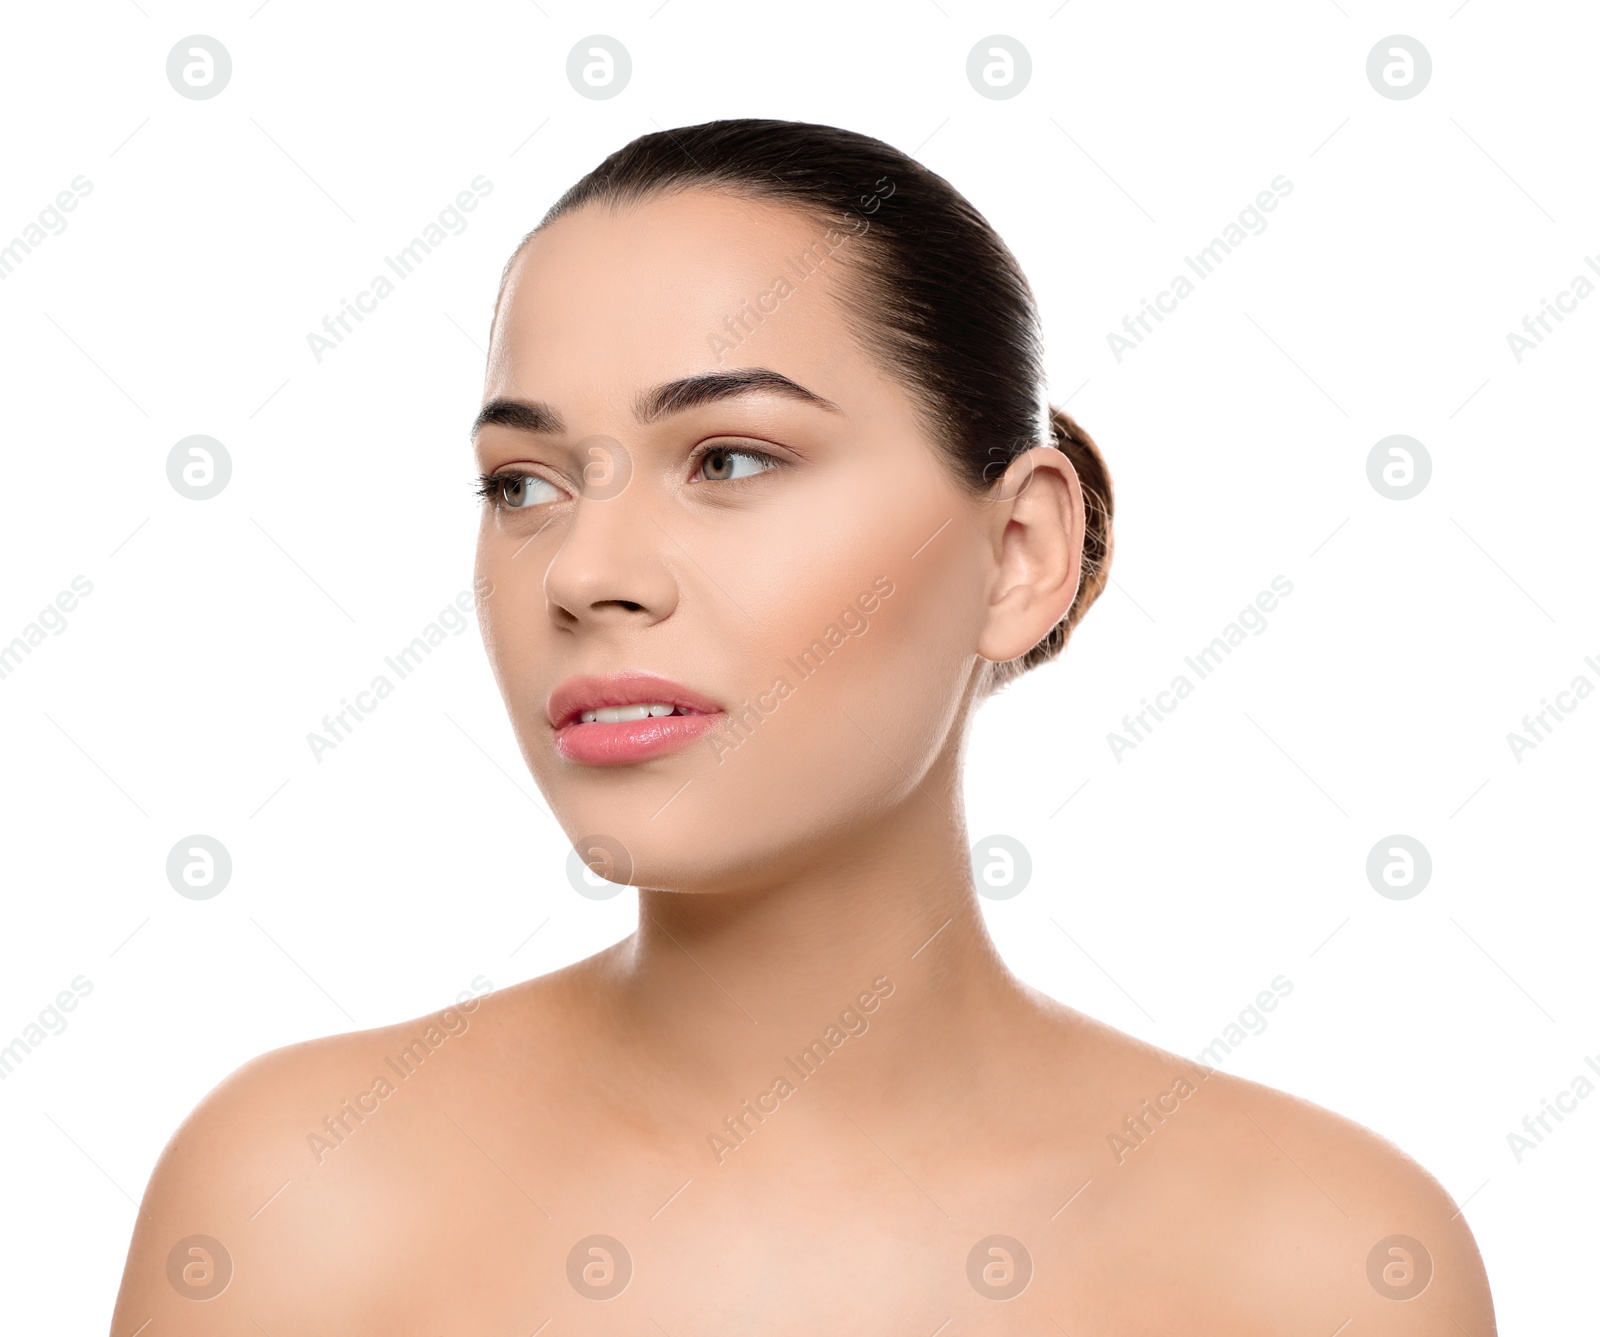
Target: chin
{"points": [[643, 859]]}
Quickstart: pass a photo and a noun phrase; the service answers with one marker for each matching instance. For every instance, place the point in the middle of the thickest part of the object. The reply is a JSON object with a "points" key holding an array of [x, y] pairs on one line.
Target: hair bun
{"points": [[1098, 505]]}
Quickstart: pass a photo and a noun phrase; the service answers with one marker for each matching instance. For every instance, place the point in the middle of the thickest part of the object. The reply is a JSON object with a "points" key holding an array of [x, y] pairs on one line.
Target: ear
{"points": [[1036, 528]]}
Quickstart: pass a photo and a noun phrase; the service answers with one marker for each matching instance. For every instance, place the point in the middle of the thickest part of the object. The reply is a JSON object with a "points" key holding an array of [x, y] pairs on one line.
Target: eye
{"points": [[723, 464], [516, 492]]}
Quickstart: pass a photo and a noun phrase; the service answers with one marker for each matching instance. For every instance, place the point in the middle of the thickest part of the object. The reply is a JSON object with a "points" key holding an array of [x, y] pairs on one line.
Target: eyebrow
{"points": [[653, 405]]}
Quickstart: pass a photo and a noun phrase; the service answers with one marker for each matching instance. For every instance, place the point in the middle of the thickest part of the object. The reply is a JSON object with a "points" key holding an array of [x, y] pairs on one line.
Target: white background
{"points": [[1226, 850]]}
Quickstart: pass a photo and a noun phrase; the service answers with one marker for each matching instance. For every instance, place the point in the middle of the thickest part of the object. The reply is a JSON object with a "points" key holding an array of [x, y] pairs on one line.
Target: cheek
{"points": [[867, 713], [511, 616], [906, 686]]}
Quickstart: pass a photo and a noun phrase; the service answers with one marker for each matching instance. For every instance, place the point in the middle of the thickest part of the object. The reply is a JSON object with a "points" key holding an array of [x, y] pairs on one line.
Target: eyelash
{"points": [[491, 487], [701, 452]]}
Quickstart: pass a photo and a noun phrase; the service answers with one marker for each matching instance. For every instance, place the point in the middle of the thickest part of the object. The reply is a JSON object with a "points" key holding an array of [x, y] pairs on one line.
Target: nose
{"points": [[612, 567]]}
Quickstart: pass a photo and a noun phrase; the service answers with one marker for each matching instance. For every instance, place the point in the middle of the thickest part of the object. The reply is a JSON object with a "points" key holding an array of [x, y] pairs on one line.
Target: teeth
{"points": [[626, 714]]}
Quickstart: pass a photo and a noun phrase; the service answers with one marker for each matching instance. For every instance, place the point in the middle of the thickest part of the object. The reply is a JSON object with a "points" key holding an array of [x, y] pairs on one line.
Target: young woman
{"points": [[772, 500]]}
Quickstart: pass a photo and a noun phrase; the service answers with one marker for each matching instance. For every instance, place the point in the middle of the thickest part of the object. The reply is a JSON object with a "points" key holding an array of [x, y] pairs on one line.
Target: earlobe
{"points": [[1040, 525]]}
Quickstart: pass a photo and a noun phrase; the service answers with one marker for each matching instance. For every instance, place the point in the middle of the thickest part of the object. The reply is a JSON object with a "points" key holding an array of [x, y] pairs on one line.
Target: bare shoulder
{"points": [[1295, 1212], [284, 1184], [1374, 1227]]}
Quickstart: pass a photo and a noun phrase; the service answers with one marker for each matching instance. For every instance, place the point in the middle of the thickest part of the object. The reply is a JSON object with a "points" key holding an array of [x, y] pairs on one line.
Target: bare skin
{"points": [[813, 876]]}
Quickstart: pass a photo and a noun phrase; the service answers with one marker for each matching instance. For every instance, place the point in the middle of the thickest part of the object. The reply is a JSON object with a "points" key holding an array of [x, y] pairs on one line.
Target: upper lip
{"points": [[589, 691]]}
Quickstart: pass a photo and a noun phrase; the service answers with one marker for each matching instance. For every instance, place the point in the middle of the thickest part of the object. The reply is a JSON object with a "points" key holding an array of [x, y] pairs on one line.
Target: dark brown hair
{"points": [[947, 310]]}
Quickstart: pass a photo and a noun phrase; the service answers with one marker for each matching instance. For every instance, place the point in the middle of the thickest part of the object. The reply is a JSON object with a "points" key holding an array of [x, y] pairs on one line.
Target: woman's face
{"points": [[786, 547]]}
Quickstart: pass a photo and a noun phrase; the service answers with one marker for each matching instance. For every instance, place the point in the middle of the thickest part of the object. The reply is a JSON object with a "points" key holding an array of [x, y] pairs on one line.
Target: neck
{"points": [[731, 983]]}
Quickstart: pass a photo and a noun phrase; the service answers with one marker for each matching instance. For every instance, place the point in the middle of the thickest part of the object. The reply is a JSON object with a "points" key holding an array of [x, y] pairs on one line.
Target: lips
{"points": [[614, 744]]}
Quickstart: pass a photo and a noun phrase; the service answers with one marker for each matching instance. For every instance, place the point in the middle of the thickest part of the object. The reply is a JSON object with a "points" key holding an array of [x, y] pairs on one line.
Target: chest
{"points": [[802, 1252]]}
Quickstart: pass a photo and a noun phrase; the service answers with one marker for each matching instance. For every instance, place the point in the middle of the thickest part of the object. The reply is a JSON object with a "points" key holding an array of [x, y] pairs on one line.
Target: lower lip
{"points": [[632, 740]]}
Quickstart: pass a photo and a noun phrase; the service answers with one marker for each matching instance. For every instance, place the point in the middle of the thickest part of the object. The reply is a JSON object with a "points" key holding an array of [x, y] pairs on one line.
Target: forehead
{"points": [[604, 301]]}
